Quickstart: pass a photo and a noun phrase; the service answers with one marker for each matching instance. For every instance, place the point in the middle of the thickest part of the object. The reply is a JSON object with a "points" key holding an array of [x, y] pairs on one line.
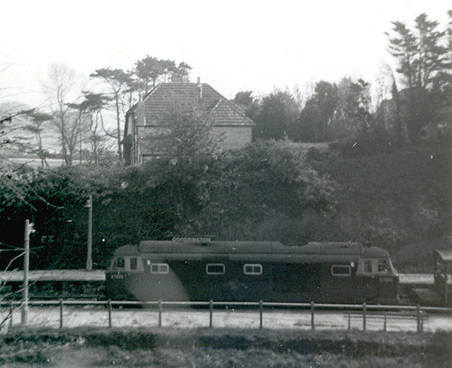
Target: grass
{"points": [[88, 347]]}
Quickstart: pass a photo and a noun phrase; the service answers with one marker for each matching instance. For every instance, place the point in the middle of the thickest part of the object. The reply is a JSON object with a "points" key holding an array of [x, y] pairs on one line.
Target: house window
{"points": [[133, 263], [252, 269], [159, 268], [341, 270], [215, 269], [119, 263]]}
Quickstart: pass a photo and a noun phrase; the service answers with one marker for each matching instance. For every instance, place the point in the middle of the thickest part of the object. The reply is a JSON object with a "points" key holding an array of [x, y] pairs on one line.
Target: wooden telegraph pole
{"points": [[89, 257], [28, 231]]}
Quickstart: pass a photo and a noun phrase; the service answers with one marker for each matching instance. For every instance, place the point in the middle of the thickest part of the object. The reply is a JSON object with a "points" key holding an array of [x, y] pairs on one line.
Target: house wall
{"points": [[151, 141], [232, 137], [140, 112]]}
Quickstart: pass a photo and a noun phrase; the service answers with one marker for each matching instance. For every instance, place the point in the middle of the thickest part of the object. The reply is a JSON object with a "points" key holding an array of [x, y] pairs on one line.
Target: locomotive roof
{"points": [[444, 254], [250, 247]]}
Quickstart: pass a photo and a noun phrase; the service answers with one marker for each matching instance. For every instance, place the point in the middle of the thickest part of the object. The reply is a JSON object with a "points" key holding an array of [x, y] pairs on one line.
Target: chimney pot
{"points": [[200, 88]]}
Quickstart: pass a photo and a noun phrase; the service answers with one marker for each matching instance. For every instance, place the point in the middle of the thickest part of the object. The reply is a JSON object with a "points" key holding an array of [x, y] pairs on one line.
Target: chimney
{"points": [[200, 88]]}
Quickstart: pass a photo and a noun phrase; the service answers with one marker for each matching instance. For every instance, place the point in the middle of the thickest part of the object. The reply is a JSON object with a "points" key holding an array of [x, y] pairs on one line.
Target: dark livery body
{"points": [[201, 269]]}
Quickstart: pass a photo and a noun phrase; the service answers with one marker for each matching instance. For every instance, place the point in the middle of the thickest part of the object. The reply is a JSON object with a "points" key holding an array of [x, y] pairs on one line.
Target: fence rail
{"points": [[362, 312]]}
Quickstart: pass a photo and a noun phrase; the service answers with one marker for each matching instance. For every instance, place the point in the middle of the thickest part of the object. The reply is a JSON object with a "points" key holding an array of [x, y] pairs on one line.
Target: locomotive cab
{"points": [[125, 267], [443, 275], [379, 274]]}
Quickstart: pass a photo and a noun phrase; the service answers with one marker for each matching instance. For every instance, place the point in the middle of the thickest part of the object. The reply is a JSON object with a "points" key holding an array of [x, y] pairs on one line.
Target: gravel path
{"points": [[239, 318]]}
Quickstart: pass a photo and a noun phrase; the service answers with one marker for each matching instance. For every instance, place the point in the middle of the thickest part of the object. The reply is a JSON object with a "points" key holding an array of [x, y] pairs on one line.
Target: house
{"points": [[144, 120]]}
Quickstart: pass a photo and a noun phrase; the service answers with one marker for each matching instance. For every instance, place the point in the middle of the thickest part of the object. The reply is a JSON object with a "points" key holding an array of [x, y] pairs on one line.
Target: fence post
{"points": [[61, 313], [364, 316], [261, 317], [210, 313], [312, 316], [160, 313], [349, 321], [418, 318], [384, 321], [11, 312], [109, 313]]}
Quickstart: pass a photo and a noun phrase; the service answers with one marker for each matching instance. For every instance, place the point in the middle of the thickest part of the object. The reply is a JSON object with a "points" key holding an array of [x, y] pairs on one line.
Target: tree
{"points": [[353, 111], [150, 70], [424, 64], [36, 126], [244, 98], [248, 103], [60, 88], [119, 82], [335, 111], [277, 116], [262, 191], [11, 115], [181, 72], [90, 120], [317, 114], [183, 145]]}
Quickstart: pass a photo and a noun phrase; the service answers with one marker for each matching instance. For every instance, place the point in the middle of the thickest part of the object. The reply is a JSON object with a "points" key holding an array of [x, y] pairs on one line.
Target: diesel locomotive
{"points": [[202, 269]]}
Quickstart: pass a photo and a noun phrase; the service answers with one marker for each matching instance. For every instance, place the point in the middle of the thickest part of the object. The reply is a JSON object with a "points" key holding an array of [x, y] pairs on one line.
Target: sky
{"points": [[233, 45]]}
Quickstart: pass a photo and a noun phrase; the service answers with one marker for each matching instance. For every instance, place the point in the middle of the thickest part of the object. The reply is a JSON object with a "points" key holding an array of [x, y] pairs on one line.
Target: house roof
{"points": [[166, 97]]}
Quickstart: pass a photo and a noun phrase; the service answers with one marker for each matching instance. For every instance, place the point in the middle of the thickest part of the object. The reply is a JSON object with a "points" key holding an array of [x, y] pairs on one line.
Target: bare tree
{"points": [[61, 89]]}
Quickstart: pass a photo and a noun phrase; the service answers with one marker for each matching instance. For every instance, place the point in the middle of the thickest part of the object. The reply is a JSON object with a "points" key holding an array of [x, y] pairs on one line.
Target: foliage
{"points": [[175, 347], [276, 117], [150, 70], [318, 112], [261, 192], [335, 112], [425, 64], [248, 103], [391, 199]]}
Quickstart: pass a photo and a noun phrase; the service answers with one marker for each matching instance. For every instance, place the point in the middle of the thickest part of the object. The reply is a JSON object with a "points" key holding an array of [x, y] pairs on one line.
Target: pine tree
{"points": [[425, 65]]}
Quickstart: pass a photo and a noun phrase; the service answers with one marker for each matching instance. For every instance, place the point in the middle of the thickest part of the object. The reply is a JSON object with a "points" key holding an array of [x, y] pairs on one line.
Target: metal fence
{"points": [[351, 312]]}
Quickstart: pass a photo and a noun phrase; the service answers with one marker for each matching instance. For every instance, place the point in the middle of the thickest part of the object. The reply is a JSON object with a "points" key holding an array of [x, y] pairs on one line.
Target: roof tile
{"points": [[169, 96]]}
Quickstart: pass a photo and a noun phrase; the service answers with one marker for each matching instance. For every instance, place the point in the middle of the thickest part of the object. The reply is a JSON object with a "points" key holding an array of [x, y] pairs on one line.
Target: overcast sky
{"points": [[232, 45]]}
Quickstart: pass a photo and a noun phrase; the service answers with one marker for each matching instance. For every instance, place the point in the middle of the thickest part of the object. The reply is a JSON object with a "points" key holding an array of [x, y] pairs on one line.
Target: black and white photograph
{"points": [[226, 184]]}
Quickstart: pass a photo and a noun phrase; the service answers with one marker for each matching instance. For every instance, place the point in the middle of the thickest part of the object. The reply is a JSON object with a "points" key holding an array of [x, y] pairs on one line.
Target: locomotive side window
{"points": [[368, 266], [215, 269], [252, 269], [383, 266], [159, 268], [119, 263], [133, 263], [341, 270]]}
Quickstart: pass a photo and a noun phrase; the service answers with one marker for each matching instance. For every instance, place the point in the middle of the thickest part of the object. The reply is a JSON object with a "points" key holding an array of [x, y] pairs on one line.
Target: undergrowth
{"points": [[88, 347]]}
